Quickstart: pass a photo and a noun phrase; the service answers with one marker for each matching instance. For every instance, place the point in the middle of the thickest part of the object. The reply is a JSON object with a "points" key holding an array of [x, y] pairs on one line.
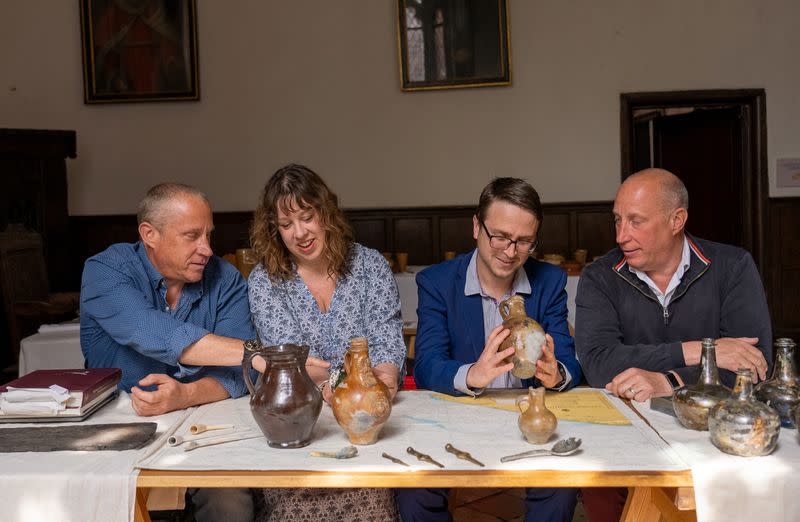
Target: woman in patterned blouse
{"points": [[314, 285]]}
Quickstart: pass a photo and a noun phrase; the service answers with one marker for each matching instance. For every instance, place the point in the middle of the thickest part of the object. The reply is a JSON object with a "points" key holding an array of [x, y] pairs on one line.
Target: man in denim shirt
{"points": [[172, 316]]}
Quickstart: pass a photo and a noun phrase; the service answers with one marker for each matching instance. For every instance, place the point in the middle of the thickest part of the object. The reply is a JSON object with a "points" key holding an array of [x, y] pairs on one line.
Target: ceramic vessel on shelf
{"points": [[361, 402], [692, 403], [742, 425], [536, 422], [782, 390], [553, 259], [285, 401], [527, 337]]}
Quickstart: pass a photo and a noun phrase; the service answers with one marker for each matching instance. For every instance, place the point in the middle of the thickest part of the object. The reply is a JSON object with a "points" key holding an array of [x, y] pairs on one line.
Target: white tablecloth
{"points": [[52, 348], [728, 487], [76, 486], [427, 424]]}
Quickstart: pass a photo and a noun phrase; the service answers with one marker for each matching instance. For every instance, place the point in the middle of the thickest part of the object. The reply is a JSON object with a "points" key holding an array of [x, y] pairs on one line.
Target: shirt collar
{"points": [[678, 275], [472, 285]]}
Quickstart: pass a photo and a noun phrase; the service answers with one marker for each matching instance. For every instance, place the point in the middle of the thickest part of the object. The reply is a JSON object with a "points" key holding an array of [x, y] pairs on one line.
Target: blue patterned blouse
{"points": [[364, 304]]}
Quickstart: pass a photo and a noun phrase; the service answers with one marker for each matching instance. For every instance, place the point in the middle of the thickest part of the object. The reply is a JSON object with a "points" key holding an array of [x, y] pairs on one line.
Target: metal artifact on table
{"points": [[393, 459], [782, 390], [693, 403], [527, 337], [286, 403], [463, 455], [562, 448], [535, 421], [361, 402], [424, 457], [742, 425]]}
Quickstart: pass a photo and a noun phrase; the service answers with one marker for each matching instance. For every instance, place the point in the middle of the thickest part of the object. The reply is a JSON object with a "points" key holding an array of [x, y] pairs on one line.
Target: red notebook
{"points": [[84, 385]]}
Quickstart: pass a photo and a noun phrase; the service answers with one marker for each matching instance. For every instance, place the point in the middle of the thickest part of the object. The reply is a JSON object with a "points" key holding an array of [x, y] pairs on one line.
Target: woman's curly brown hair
{"points": [[298, 185]]}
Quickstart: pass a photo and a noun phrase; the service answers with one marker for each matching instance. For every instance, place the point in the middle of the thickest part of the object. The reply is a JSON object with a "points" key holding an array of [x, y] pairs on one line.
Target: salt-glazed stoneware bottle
{"points": [[361, 403], [527, 337], [782, 390], [536, 422], [692, 403], [742, 425], [285, 402]]}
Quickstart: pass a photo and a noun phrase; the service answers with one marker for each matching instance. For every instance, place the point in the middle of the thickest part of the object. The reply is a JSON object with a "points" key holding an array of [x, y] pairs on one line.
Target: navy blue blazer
{"points": [[450, 324]]}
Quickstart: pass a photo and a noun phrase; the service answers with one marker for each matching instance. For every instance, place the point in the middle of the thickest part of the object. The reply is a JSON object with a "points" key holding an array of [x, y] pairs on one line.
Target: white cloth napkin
{"points": [[33, 401]]}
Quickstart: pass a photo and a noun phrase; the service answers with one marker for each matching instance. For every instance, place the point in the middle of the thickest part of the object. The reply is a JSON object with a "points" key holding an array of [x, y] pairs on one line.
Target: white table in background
{"points": [[55, 346]]}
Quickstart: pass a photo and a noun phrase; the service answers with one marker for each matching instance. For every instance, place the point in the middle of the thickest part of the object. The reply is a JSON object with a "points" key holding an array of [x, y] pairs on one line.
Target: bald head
{"points": [[659, 183]]}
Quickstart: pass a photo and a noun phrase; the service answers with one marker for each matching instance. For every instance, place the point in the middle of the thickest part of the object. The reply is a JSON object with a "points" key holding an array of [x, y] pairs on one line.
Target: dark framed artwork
{"points": [[444, 44], [139, 50]]}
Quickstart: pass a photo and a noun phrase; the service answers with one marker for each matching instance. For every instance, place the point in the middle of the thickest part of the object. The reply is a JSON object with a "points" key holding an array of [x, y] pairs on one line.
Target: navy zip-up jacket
{"points": [[620, 323]]}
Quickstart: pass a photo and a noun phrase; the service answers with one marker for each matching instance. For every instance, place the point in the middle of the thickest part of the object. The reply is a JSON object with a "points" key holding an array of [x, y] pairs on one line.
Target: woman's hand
{"points": [[387, 373]]}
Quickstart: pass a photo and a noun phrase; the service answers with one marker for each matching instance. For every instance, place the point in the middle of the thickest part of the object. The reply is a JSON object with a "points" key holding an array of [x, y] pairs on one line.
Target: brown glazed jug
{"points": [[361, 402], [536, 422], [692, 403], [286, 402], [527, 337]]}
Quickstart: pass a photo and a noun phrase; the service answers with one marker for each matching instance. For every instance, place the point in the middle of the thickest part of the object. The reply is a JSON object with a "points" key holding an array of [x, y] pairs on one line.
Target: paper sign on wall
{"points": [[789, 172]]}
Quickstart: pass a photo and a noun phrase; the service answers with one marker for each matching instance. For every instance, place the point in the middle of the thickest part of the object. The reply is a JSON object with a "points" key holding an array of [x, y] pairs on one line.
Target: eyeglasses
{"points": [[502, 243]]}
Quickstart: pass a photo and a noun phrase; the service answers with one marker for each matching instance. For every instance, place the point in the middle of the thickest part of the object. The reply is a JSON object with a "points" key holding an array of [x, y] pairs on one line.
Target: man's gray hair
{"points": [[154, 207], [675, 193]]}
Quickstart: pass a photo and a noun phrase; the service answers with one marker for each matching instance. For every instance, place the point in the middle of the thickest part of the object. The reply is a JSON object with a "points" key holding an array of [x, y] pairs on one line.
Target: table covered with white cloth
{"points": [[53, 347], [728, 487], [76, 486]]}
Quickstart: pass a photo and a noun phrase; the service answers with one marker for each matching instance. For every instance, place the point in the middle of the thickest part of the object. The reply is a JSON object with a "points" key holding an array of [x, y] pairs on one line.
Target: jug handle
{"points": [[504, 310], [523, 399], [251, 349]]}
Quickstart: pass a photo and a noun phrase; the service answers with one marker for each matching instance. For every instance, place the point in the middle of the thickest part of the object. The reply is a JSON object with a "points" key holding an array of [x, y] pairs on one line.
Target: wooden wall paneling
{"points": [[595, 232], [456, 235], [371, 232], [416, 235], [554, 233], [782, 273]]}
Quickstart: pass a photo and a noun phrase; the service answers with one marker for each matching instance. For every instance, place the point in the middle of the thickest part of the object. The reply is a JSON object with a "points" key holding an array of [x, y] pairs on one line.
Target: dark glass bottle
{"points": [[742, 425], [782, 390], [692, 403]]}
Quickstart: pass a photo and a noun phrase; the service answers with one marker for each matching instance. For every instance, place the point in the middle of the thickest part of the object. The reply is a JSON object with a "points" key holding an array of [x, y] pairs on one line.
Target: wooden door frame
{"points": [[753, 103]]}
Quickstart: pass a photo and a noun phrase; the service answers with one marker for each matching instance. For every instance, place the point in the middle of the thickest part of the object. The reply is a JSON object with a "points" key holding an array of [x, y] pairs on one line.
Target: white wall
{"points": [[317, 82]]}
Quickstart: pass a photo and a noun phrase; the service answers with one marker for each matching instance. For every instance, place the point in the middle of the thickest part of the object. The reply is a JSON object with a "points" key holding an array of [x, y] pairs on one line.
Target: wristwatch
{"points": [[251, 345], [563, 374], [673, 380]]}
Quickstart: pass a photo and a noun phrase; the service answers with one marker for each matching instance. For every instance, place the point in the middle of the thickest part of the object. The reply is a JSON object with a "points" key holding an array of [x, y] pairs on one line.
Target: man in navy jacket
{"points": [[460, 329], [643, 308]]}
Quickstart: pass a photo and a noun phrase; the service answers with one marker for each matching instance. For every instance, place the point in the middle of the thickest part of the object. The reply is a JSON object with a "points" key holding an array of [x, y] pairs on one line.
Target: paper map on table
{"points": [[580, 406]]}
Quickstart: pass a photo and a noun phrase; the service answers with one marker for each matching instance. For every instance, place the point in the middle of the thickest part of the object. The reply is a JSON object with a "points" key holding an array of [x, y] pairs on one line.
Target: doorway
{"points": [[715, 141]]}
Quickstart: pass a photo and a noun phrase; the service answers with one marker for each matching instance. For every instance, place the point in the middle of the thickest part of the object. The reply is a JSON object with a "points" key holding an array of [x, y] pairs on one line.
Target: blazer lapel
{"points": [[470, 310]]}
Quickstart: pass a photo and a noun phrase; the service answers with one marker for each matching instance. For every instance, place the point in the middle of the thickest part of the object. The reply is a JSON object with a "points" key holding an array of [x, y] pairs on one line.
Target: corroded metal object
{"points": [[562, 448], [782, 390], [393, 459], [741, 425], [361, 403], [692, 403], [423, 457], [286, 402], [463, 455], [535, 421], [527, 337]]}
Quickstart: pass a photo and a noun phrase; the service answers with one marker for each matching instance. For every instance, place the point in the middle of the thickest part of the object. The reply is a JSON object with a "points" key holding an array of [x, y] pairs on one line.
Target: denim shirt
{"points": [[126, 323]]}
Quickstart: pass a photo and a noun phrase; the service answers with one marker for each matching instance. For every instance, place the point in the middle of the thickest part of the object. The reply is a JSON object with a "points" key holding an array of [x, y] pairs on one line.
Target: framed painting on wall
{"points": [[444, 44], [139, 50]]}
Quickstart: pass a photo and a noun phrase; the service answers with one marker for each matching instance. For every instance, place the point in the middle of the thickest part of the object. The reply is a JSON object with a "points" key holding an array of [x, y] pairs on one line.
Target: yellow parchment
{"points": [[577, 405]]}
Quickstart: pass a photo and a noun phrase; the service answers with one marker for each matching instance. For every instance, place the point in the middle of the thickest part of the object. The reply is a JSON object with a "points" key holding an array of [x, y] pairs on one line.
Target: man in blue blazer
{"points": [[460, 330]]}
